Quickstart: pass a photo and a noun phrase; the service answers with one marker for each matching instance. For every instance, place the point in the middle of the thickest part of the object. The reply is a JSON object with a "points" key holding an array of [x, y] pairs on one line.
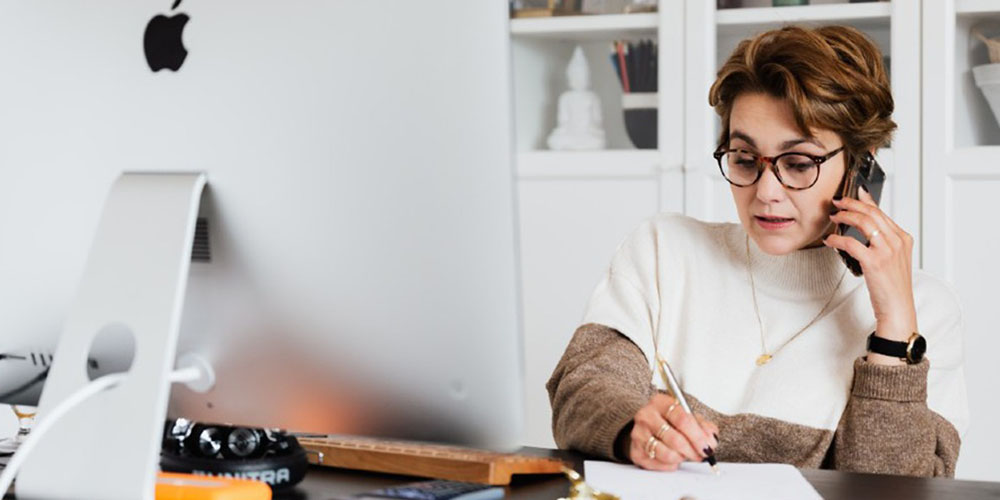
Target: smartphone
{"points": [[866, 173]]}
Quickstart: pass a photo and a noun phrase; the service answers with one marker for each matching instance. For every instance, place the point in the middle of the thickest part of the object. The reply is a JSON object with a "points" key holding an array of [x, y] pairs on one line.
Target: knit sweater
{"points": [[681, 287]]}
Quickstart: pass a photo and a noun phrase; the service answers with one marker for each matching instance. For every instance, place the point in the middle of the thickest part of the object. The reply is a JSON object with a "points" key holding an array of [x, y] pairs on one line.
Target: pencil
{"points": [[624, 67]]}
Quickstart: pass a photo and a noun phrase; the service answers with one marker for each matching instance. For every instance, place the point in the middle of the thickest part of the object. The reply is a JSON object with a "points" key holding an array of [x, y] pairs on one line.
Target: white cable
{"points": [[81, 395], [185, 375]]}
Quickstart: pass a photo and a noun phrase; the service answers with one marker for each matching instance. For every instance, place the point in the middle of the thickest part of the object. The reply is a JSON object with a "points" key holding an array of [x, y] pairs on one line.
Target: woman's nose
{"points": [[769, 188]]}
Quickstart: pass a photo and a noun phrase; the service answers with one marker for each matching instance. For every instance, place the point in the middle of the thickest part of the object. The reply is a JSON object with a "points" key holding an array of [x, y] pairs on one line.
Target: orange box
{"points": [[176, 486]]}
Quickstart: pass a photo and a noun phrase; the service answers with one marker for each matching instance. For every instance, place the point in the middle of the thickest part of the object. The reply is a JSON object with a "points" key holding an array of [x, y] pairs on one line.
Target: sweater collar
{"points": [[811, 273]]}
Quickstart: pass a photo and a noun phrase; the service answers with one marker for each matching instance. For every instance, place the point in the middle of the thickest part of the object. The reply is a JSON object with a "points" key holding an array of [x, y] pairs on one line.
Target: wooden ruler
{"points": [[425, 460]]}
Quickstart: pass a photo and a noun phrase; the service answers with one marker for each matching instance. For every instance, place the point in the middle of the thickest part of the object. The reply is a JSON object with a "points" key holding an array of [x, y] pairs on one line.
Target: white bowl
{"points": [[987, 77], [986, 74]]}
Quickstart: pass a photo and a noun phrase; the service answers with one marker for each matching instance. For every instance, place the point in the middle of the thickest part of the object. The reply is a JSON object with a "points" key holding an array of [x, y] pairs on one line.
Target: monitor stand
{"points": [[134, 284]]}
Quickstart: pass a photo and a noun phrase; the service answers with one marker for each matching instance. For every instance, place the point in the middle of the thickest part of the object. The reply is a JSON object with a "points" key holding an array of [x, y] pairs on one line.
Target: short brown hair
{"points": [[833, 77]]}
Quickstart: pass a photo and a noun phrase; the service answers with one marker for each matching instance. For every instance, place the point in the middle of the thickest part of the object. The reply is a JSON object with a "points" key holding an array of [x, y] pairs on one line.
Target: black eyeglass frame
{"points": [[763, 161]]}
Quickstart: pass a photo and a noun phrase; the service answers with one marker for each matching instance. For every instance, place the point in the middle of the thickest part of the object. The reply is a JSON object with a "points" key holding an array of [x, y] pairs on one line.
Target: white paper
{"points": [[697, 481]]}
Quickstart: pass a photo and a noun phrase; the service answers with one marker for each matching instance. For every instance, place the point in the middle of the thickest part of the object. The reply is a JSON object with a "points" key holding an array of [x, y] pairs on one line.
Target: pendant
{"points": [[763, 359]]}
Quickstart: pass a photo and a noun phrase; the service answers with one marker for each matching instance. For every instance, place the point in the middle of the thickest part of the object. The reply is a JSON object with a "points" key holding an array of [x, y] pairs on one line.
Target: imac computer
{"points": [[314, 198]]}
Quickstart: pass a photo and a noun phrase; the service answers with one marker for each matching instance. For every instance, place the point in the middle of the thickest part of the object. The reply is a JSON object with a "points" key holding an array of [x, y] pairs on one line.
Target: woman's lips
{"points": [[773, 223]]}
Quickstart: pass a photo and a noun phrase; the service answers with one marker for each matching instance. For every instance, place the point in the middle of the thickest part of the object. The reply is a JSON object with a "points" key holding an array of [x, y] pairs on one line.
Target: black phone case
{"points": [[869, 174]]}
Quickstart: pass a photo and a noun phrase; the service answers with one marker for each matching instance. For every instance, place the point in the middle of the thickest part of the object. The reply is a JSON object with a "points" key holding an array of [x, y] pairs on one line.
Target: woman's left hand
{"points": [[887, 263]]}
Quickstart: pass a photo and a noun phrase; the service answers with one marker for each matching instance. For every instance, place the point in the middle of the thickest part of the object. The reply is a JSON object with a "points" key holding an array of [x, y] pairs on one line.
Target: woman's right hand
{"points": [[684, 437]]}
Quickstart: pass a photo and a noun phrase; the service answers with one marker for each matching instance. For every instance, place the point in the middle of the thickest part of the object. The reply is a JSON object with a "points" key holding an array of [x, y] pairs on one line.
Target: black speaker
{"points": [[271, 456]]}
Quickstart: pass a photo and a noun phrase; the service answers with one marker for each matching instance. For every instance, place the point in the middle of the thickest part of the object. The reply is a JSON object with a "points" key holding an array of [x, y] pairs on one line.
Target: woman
{"points": [[765, 328]]}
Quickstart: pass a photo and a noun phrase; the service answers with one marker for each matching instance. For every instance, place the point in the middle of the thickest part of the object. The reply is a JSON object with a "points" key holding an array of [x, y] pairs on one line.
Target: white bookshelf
{"points": [[576, 206], [542, 48], [595, 27], [976, 7], [973, 122], [862, 15], [961, 182]]}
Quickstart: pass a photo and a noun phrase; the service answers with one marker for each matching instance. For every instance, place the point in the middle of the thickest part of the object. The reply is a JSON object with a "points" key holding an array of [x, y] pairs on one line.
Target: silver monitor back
{"points": [[360, 206]]}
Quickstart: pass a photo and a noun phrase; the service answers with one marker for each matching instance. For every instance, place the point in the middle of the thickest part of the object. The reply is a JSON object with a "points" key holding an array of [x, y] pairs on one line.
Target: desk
{"points": [[323, 483]]}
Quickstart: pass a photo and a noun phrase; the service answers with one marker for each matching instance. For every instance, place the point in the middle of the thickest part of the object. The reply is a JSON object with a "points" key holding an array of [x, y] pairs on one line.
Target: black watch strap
{"points": [[911, 351]]}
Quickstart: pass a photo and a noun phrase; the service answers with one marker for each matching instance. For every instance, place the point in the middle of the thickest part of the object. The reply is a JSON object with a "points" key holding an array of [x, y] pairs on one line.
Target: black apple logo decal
{"points": [[162, 42]]}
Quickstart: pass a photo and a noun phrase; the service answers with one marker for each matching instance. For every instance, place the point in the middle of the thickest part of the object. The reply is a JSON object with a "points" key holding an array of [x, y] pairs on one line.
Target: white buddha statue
{"points": [[579, 113]]}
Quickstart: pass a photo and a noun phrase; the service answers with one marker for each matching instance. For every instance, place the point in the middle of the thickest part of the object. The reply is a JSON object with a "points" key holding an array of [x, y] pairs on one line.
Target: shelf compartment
{"points": [[596, 27], [974, 121], [747, 20], [589, 164]]}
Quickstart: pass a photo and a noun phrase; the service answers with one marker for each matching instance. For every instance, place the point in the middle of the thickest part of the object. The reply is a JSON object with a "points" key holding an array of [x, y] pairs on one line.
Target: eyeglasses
{"points": [[796, 171]]}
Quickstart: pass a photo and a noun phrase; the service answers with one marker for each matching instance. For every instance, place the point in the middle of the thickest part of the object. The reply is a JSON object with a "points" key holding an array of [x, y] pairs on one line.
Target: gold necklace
{"points": [[764, 358]]}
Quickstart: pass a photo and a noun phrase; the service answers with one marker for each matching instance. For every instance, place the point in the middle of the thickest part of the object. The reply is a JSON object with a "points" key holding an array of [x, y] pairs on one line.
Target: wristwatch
{"points": [[911, 351]]}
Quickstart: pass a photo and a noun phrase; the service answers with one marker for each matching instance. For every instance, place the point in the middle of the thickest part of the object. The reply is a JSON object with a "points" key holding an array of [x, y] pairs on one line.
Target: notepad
{"points": [[737, 481]]}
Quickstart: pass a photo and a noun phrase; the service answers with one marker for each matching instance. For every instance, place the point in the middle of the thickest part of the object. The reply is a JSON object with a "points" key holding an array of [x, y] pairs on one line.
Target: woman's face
{"points": [[782, 220]]}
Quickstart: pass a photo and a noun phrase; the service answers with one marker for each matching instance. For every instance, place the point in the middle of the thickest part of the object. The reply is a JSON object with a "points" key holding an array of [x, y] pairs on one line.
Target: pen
{"points": [[675, 389], [618, 69]]}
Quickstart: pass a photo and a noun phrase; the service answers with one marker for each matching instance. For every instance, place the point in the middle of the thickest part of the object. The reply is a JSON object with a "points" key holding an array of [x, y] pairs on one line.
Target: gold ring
{"points": [[670, 409], [663, 430], [874, 234], [651, 448]]}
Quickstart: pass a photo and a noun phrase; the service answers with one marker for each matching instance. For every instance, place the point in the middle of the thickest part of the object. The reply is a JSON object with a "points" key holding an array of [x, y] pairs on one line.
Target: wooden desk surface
{"points": [[323, 483]]}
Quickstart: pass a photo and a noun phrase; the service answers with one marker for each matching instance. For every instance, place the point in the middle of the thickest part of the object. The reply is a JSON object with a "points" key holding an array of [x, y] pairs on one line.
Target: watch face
{"points": [[917, 349]]}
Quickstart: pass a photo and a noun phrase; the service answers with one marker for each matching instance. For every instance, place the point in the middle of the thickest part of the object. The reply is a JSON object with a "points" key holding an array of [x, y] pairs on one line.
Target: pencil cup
{"points": [[640, 118]]}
